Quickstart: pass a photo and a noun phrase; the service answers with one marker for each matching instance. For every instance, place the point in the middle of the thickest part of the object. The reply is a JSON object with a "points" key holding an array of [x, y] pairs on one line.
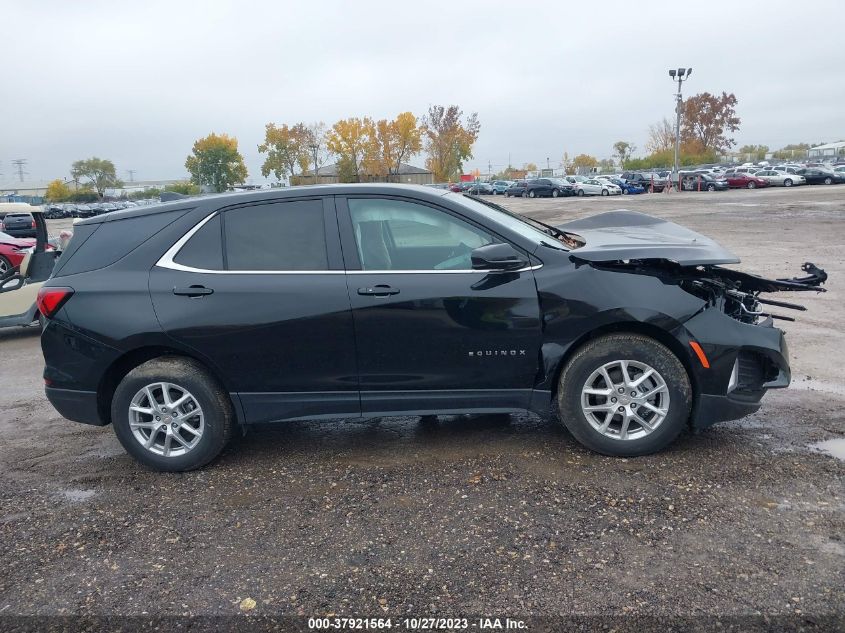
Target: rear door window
{"points": [[205, 248], [281, 236]]}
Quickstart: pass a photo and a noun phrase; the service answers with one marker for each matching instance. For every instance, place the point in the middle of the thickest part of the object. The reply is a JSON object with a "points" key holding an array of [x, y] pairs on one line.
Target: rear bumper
{"points": [[78, 406]]}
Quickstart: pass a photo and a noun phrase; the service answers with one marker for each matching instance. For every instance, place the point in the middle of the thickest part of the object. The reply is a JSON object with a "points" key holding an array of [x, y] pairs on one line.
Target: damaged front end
{"points": [[742, 355]]}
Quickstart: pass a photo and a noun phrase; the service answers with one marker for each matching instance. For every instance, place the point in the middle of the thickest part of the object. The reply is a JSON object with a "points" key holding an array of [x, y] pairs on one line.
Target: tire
{"points": [[605, 192], [752, 185], [579, 373], [555, 193], [624, 192], [531, 194], [190, 377], [828, 181], [787, 182], [507, 195], [580, 192], [5, 265], [711, 187]]}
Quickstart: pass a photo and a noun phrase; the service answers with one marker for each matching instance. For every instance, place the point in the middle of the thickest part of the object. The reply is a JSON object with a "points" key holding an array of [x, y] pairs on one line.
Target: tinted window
{"points": [[278, 236], [398, 235], [205, 248]]}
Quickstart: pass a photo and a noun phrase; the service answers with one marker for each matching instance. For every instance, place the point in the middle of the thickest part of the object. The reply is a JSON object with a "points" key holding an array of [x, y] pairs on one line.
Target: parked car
{"points": [[627, 188], [500, 186], [744, 180], [647, 180], [816, 176], [547, 187], [517, 189], [596, 187], [14, 249], [575, 179], [480, 189], [16, 219], [20, 283], [84, 211], [625, 323], [702, 182], [780, 179]]}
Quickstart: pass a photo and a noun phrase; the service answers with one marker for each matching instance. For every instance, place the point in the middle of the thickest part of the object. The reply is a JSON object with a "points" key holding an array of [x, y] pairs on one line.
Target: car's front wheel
{"points": [[580, 192], [531, 194], [828, 181], [752, 185], [171, 415], [605, 192], [787, 182], [711, 187], [624, 395], [555, 193], [5, 265]]}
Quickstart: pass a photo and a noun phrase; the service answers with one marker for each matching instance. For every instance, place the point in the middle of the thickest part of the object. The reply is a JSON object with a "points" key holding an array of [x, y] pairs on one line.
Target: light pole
{"points": [[315, 149], [680, 76]]}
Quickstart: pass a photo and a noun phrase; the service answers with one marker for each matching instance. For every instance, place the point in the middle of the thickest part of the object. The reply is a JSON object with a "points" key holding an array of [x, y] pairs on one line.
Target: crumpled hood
{"points": [[624, 235]]}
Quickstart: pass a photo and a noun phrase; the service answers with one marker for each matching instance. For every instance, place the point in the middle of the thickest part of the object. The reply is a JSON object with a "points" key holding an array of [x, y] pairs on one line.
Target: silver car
{"points": [[780, 179]]}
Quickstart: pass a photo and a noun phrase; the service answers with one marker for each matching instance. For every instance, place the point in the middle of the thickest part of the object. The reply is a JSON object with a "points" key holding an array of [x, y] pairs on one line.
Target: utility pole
{"points": [[489, 170], [680, 76], [19, 164], [131, 173]]}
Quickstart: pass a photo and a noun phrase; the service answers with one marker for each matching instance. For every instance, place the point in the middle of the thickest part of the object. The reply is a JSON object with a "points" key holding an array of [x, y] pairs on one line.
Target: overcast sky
{"points": [[138, 82]]}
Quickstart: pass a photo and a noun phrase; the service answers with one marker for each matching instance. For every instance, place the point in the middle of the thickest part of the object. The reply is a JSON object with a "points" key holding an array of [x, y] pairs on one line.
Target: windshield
{"points": [[533, 230]]}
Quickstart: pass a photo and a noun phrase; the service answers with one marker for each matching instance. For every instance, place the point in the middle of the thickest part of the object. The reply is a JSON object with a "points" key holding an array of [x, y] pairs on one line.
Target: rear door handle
{"points": [[193, 291], [381, 290]]}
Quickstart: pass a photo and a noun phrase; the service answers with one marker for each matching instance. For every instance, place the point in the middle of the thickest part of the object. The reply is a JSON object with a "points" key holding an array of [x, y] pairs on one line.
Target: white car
{"points": [[597, 187], [780, 179]]}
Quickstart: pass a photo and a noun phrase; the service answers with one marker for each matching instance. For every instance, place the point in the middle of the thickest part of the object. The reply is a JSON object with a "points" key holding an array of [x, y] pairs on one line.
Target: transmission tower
{"points": [[131, 173], [19, 164]]}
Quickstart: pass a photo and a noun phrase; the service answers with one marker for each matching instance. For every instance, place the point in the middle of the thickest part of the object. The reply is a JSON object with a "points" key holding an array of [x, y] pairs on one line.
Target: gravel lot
{"points": [[488, 515]]}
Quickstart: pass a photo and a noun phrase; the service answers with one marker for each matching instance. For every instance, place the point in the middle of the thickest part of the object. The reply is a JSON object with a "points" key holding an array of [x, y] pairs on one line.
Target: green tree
{"points": [[216, 162], [606, 165], [286, 149], [623, 150], [58, 191], [185, 187], [448, 140], [754, 152], [99, 173]]}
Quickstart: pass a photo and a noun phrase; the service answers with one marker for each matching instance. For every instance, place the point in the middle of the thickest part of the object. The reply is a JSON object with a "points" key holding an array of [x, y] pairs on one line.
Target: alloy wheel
{"points": [[166, 419], [625, 399]]}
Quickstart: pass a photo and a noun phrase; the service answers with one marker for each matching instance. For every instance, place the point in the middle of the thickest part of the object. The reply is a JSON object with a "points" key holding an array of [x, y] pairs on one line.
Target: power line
{"points": [[19, 164]]}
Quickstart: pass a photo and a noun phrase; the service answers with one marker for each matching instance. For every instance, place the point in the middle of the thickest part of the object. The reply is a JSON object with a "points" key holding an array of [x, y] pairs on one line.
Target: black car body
{"points": [[353, 301], [815, 176], [517, 189], [17, 223], [548, 188], [696, 181], [648, 181], [480, 189]]}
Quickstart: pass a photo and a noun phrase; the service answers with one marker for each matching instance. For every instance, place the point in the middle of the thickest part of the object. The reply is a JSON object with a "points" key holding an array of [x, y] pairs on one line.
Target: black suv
{"points": [[649, 181], [17, 223], [548, 187], [181, 322]]}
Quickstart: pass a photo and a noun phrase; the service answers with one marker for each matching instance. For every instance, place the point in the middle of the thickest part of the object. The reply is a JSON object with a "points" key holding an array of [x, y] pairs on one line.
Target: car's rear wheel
{"points": [[171, 415], [580, 192], [624, 395], [787, 182], [555, 193], [752, 185], [531, 194]]}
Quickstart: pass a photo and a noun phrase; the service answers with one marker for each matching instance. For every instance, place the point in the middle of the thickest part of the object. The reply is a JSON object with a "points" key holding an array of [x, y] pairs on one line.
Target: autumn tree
{"points": [[755, 152], [448, 140], [216, 162], [393, 143], [661, 137], [531, 167], [623, 150], [57, 191], [317, 151], [99, 173], [584, 161], [708, 120], [286, 149], [351, 139]]}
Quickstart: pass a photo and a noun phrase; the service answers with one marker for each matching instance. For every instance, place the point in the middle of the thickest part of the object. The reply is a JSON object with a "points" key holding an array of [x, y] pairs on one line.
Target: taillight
{"points": [[33, 224], [51, 299], [2, 226]]}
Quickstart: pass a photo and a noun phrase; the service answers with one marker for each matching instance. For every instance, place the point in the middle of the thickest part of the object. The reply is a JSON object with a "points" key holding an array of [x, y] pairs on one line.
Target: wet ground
{"points": [[492, 515]]}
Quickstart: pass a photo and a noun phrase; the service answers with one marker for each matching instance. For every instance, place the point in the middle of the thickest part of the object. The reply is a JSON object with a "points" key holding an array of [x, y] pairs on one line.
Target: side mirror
{"points": [[13, 283], [498, 257]]}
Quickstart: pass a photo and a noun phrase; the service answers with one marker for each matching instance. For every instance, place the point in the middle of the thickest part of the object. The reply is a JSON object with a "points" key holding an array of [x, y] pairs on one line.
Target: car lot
{"points": [[486, 515]]}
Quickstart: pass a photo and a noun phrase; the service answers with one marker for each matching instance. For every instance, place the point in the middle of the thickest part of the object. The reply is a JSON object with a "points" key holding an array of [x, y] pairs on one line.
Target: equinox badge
{"points": [[498, 352]]}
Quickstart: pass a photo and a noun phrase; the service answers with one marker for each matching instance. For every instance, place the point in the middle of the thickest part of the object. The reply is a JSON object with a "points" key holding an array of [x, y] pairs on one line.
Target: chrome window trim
{"points": [[167, 261]]}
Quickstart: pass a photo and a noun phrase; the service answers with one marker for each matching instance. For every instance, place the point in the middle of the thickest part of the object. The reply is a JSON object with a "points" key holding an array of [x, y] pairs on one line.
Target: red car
{"points": [[745, 181], [13, 249]]}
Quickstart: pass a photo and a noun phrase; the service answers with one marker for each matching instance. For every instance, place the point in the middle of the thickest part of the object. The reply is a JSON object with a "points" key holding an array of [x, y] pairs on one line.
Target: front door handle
{"points": [[193, 291], [381, 290]]}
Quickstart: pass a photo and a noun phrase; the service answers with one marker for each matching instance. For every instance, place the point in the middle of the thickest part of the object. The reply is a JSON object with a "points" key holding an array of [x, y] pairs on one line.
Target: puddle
{"points": [[835, 447], [77, 495]]}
